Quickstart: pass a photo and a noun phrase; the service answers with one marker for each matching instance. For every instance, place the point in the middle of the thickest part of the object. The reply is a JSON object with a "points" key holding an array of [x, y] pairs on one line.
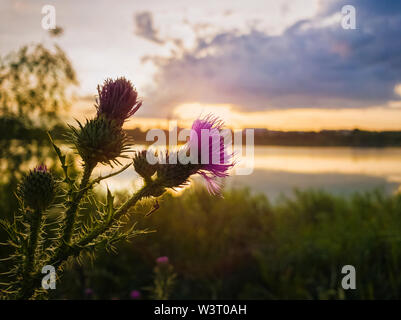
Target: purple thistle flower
{"points": [[213, 159], [117, 100], [215, 148], [135, 294], [40, 168], [162, 260]]}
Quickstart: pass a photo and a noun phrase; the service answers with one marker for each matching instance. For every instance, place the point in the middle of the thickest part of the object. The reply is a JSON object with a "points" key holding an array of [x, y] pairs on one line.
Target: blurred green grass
{"points": [[243, 247]]}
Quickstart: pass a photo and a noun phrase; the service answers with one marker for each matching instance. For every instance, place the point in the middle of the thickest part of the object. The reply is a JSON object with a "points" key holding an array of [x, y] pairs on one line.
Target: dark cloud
{"points": [[145, 27], [365, 8], [310, 65]]}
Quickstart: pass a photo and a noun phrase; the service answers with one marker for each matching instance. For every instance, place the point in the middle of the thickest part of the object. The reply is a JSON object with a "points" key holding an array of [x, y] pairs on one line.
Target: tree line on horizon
{"points": [[349, 138]]}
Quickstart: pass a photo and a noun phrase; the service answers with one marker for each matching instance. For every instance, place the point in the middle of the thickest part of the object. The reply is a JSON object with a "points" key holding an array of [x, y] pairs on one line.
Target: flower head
{"points": [[117, 100], [213, 156], [135, 294], [40, 168], [99, 140], [88, 292], [162, 260], [38, 188], [142, 166], [213, 160]]}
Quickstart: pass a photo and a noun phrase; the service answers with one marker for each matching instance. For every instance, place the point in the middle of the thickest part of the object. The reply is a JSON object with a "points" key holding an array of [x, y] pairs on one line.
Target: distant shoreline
{"points": [[263, 137], [324, 138]]}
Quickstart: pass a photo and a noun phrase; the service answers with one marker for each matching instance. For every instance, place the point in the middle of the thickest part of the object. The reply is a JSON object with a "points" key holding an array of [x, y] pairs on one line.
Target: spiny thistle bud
{"points": [[142, 166], [117, 100], [175, 175], [100, 140], [38, 188]]}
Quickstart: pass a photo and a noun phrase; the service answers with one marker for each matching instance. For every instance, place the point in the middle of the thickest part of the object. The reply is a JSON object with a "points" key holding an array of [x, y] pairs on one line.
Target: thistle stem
{"points": [[59, 258], [27, 282], [74, 249], [76, 199], [33, 240], [141, 193], [100, 178], [63, 251]]}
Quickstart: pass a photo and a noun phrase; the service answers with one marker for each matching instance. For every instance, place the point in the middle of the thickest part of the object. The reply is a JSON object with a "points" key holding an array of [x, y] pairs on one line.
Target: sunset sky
{"points": [[283, 64]]}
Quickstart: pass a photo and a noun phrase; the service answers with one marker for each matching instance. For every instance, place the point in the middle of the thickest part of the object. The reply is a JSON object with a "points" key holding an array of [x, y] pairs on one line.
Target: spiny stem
{"points": [[84, 186], [63, 250], [75, 248], [66, 251], [28, 281], [151, 188], [100, 178], [141, 193], [33, 241], [76, 199]]}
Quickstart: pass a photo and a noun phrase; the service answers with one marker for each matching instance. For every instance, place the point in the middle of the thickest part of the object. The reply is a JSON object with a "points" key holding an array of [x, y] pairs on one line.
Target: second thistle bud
{"points": [[38, 188], [100, 140], [142, 166], [175, 175]]}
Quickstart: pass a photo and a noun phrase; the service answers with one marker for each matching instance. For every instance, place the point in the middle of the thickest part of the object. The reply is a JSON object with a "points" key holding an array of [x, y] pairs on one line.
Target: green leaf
{"points": [[109, 204], [62, 159]]}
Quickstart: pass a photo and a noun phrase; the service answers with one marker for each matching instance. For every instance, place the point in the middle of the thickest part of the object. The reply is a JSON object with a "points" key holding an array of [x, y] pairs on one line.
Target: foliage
{"points": [[164, 280], [242, 247], [35, 83], [100, 140], [352, 138]]}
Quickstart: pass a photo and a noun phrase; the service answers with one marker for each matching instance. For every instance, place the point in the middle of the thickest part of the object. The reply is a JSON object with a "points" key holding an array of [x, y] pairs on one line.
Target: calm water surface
{"points": [[279, 170]]}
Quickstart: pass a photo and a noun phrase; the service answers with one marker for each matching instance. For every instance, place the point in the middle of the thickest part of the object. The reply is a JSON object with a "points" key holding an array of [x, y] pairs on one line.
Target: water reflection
{"points": [[281, 169]]}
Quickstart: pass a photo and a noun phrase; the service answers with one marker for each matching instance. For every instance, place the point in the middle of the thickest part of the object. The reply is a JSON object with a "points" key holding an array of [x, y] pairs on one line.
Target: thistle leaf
{"points": [[62, 159]]}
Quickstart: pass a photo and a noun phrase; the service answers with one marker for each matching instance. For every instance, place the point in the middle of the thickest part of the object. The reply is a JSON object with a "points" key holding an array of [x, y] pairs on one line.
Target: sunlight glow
{"points": [[302, 119]]}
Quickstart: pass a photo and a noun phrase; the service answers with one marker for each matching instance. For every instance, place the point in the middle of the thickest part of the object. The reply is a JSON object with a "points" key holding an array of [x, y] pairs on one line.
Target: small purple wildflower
{"points": [[162, 260], [117, 100], [40, 168], [88, 292], [211, 170], [135, 294]]}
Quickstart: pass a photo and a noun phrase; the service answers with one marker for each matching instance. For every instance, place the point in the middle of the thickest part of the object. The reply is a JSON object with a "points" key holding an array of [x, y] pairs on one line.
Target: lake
{"points": [[279, 170]]}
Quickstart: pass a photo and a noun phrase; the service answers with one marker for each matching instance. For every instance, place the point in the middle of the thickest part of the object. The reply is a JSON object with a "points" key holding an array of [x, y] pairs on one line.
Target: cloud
{"points": [[365, 8], [145, 27], [314, 63]]}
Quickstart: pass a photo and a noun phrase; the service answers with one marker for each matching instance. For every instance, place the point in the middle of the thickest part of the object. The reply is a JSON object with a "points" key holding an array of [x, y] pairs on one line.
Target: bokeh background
{"points": [[325, 103]]}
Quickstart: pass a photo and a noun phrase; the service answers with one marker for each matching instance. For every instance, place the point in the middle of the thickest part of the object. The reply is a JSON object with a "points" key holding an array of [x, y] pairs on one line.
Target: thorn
{"points": [[155, 207]]}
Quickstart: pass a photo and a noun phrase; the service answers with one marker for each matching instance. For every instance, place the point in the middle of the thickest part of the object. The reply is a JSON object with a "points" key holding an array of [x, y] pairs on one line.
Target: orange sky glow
{"points": [[240, 61], [302, 119]]}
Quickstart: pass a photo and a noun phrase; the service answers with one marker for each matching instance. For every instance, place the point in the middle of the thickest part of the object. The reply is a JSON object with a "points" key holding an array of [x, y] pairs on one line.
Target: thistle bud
{"points": [[142, 166], [100, 140], [175, 175], [118, 100], [38, 188]]}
